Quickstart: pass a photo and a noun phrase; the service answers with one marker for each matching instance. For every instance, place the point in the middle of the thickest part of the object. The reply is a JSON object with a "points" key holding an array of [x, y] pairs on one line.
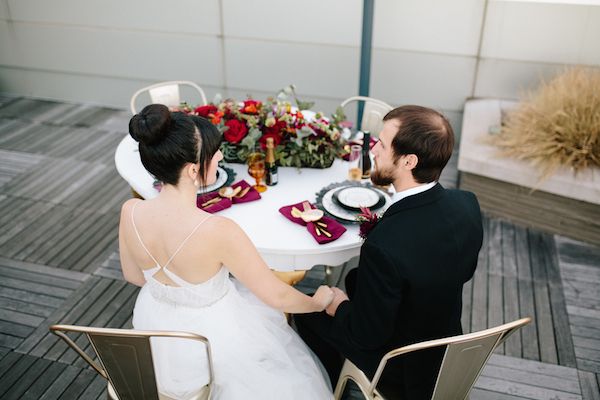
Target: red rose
{"points": [[263, 140], [205, 111], [236, 132], [275, 129], [251, 107]]}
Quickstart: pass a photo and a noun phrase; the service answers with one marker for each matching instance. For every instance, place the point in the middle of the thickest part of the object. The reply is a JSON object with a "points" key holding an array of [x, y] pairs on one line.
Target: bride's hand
{"points": [[323, 297]]}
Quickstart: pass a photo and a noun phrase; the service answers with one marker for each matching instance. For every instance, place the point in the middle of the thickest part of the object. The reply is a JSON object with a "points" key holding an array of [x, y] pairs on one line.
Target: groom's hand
{"points": [[339, 297]]}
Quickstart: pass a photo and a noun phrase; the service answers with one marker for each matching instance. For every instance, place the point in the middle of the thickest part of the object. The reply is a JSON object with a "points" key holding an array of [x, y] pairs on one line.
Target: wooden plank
{"points": [[45, 381], [20, 318], [25, 381], [524, 390], [480, 394], [61, 383], [16, 371], [560, 318], [495, 296], [590, 387], [585, 332], [532, 378], [512, 346], [544, 324], [95, 389], [9, 342], [8, 361], [83, 294], [38, 269], [26, 242], [29, 297], [34, 287], [480, 284], [576, 252], [78, 385], [42, 269], [15, 329], [25, 307], [467, 306]]}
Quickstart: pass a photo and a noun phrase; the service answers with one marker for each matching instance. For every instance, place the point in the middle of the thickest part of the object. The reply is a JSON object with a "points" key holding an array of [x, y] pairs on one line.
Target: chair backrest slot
{"points": [[128, 364]]}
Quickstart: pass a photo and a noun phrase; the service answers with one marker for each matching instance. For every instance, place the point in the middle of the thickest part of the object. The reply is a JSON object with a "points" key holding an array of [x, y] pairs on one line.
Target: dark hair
{"points": [[169, 140], [425, 133]]}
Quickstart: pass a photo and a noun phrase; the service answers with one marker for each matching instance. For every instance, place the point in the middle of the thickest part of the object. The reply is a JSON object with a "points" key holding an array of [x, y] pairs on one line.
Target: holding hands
{"points": [[339, 297], [323, 297]]}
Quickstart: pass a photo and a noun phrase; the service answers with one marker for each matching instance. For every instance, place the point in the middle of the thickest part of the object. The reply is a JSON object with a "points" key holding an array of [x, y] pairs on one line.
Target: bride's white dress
{"points": [[256, 355]]}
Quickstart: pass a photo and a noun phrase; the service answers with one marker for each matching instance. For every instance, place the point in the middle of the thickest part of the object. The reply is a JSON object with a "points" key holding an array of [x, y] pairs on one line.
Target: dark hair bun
{"points": [[151, 125]]}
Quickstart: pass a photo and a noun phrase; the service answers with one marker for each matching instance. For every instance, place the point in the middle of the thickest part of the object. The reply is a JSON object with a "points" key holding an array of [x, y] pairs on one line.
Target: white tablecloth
{"points": [[285, 246]]}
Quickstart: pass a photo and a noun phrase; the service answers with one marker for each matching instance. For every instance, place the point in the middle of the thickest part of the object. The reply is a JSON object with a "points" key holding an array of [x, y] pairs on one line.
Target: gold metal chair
{"points": [[463, 361], [373, 112], [125, 359], [167, 93]]}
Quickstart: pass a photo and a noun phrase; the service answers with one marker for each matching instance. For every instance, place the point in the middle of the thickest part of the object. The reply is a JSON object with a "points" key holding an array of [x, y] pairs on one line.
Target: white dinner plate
{"points": [[221, 180], [344, 214], [358, 196]]}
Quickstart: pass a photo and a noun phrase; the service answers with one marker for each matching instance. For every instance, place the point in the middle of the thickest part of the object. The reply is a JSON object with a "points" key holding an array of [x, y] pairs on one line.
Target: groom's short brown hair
{"points": [[425, 133]]}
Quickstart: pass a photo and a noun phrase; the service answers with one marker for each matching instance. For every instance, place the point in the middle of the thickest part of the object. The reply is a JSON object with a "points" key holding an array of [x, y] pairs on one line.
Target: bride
{"points": [[182, 256]]}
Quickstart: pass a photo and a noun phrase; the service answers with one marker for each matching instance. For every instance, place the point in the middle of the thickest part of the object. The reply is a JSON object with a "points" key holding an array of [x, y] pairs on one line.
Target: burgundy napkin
{"points": [[252, 194], [223, 204], [335, 228]]}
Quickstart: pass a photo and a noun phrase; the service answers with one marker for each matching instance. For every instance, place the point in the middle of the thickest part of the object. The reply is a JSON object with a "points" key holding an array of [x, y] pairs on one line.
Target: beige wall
{"points": [[425, 51]]}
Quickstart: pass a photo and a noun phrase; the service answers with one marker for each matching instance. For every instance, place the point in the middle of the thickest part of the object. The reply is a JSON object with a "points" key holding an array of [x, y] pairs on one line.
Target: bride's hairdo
{"points": [[169, 140]]}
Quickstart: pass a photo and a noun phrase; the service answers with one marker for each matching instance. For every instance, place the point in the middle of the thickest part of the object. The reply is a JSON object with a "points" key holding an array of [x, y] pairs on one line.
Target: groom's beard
{"points": [[382, 177]]}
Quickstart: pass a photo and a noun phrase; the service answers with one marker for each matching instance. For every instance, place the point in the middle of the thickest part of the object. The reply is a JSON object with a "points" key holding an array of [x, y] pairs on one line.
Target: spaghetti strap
{"points": [[137, 233], [185, 240]]}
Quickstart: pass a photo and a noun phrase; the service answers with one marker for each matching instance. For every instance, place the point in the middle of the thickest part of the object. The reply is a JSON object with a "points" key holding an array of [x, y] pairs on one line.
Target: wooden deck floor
{"points": [[59, 203]]}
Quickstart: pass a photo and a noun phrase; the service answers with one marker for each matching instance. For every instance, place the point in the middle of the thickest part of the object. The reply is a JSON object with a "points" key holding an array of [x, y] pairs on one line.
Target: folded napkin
{"points": [[335, 228], [224, 203]]}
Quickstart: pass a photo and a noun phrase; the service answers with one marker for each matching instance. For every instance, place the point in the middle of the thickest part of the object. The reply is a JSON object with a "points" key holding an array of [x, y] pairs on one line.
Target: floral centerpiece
{"points": [[301, 141]]}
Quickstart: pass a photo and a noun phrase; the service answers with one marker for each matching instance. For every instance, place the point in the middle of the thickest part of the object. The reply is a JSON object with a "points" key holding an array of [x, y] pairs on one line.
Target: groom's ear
{"points": [[409, 161]]}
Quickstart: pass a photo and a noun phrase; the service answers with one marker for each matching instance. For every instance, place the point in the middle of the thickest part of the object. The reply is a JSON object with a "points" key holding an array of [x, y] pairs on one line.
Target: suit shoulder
{"points": [[462, 195]]}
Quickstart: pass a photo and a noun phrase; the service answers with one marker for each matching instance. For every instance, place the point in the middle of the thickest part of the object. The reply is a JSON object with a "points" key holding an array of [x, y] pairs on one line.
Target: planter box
{"points": [[509, 188]]}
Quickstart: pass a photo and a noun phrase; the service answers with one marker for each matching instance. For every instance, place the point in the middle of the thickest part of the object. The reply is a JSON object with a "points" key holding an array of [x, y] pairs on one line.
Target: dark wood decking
{"points": [[59, 200]]}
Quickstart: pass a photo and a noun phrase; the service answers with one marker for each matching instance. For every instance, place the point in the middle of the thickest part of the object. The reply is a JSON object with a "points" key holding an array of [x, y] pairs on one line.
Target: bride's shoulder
{"points": [[221, 224]]}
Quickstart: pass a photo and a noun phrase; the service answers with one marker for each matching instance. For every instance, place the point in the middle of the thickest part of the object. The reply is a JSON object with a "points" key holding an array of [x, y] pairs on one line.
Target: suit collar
{"points": [[417, 200]]}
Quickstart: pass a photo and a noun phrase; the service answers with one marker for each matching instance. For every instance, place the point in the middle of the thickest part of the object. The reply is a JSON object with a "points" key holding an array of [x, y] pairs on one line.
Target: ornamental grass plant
{"points": [[557, 125]]}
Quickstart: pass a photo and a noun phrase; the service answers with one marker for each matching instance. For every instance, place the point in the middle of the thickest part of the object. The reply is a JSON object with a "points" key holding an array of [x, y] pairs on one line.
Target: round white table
{"points": [[284, 245]]}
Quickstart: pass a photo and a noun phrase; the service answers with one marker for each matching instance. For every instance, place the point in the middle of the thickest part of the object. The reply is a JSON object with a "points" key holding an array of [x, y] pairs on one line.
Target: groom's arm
{"points": [[368, 320]]}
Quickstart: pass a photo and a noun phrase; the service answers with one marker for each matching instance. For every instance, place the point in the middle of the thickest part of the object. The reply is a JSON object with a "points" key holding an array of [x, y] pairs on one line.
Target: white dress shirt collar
{"points": [[412, 191]]}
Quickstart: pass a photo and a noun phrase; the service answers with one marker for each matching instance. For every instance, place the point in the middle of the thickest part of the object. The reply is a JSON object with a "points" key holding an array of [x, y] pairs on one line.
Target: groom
{"points": [[408, 284]]}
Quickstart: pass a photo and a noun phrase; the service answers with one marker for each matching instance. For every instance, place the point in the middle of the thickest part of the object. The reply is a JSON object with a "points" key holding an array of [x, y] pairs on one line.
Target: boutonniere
{"points": [[368, 220]]}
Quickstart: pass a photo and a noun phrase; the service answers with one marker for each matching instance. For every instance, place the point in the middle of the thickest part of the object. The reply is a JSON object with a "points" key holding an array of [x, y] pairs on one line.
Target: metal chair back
{"points": [[125, 359], [463, 361], [167, 93], [373, 112]]}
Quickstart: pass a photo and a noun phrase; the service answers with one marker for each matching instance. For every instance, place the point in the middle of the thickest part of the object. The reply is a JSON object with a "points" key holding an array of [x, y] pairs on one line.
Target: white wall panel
{"points": [[138, 55], [511, 79], [535, 32], [308, 21], [320, 70], [448, 27], [189, 16], [590, 44], [105, 91], [434, 80], [4, 14]]}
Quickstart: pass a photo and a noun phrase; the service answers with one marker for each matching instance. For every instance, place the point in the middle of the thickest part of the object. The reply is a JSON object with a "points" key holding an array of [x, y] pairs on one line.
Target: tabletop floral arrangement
{"points": [[300, 141]]}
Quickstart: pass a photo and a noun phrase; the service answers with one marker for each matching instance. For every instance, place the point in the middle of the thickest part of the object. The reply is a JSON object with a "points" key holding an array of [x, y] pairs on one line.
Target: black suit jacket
{"points": [[411, 271]]}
